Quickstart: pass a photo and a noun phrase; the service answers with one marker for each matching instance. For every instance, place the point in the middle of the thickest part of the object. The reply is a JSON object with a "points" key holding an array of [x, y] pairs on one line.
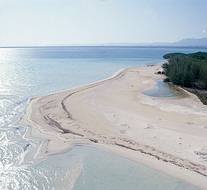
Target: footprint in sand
{"points": [[122, 131], [190, 123], [149, 126], [125, 125]]}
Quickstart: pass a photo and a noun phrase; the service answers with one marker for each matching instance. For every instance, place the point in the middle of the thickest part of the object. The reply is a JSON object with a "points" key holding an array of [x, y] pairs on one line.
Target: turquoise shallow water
{"points": [[121, 173], [28, 72], [94, 169]]}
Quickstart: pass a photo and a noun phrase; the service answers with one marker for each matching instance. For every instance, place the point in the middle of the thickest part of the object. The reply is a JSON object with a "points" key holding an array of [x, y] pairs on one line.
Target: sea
{"points": [[35, 71]]}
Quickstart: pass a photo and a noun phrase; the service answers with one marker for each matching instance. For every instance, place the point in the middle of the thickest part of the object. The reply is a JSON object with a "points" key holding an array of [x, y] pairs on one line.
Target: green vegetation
{"points": [[188, 70]]}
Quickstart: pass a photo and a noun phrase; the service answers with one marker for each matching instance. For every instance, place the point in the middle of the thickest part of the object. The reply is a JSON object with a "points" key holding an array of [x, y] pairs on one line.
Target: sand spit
{"points": [[114, 113]]}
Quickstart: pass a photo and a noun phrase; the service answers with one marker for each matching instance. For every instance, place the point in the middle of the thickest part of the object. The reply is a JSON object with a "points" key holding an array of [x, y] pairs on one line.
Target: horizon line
{"points": [[106, 45]]}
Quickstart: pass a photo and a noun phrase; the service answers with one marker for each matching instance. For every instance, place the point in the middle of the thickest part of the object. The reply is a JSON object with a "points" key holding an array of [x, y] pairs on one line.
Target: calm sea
{"points": [[28, 72]]}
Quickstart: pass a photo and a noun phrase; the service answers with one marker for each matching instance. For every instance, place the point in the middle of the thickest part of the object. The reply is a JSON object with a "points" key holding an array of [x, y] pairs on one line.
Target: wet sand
{"points": [[168, 134]]}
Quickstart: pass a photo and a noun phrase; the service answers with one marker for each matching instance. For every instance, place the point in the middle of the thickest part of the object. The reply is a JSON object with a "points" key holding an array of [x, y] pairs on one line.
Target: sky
{"points": [[71, 22]]}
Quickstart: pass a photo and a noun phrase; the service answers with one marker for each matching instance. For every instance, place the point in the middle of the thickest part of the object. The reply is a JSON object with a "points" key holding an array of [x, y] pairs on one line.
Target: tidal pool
{"points": [[163, 89]]}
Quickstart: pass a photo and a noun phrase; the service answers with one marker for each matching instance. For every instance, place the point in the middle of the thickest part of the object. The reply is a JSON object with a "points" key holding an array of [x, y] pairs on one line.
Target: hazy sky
{"points": [[65, 22]]}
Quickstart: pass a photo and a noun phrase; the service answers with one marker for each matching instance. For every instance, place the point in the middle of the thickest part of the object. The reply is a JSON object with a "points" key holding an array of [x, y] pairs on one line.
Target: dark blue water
{"points": [[28, 72]]}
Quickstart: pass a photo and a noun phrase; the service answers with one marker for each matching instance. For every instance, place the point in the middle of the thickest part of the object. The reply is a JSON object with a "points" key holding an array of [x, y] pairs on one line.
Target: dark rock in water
{"points": [[27, 146], [160, 73]]}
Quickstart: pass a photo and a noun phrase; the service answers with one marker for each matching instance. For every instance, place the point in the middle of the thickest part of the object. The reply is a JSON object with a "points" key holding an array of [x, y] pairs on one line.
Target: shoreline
{"points": [[105, 117], [201, 94]]}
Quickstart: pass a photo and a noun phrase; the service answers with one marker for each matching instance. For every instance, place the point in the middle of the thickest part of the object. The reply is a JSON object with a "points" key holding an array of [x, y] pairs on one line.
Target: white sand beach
{"points": [[169, 134]]}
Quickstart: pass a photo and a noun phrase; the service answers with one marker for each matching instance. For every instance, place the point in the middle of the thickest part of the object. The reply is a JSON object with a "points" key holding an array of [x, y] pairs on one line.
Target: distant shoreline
{"points": [[109, 46]]}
